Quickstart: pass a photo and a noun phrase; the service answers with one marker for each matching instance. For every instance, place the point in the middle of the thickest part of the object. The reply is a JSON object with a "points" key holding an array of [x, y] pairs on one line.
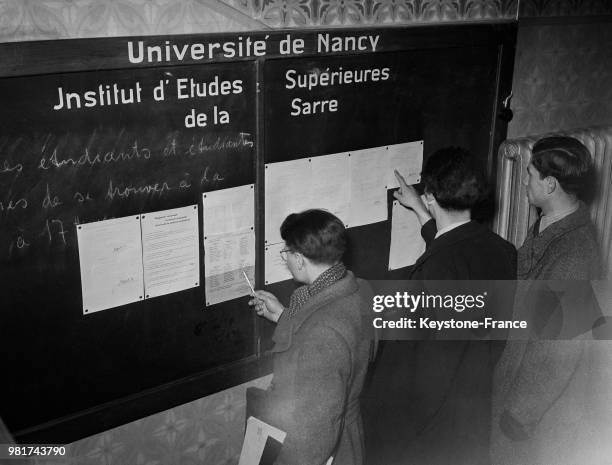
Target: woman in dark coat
{"points": [[429, 401], [321, 348]]}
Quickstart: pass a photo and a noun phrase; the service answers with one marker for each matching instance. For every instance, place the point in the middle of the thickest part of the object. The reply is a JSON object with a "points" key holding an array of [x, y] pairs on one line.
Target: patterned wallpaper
{"points": [[62, 19], [207, 431], [562, 79], [539, 8], [306, 13]]}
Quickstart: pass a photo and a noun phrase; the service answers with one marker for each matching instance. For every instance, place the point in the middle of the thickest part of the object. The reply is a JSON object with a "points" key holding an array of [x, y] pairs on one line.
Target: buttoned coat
{"points": [[320, 361]]}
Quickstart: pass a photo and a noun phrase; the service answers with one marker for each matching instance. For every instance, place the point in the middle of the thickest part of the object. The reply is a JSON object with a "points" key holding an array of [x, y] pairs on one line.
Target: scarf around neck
{"points": [[301, 295]]}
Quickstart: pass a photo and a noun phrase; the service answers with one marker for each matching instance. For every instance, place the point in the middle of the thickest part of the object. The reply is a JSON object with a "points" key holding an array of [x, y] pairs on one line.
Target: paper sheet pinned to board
{"points": [[229, 242], [228, 210], [351, 185], [226, 256], [275, 266], [170, 248], [407, 244], [110, 256], [331, 186], [368, 202], [408, 160], [287, 190]]}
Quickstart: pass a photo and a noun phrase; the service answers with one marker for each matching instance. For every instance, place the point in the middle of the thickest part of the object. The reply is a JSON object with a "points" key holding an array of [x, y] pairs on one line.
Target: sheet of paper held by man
{"points": [[110, 255], [368, 192], [406, 242], [287, 190], [407, 159], [228, 210], [229, 242], [262, 443], [170, 248], [256, 439], [275, 267]]}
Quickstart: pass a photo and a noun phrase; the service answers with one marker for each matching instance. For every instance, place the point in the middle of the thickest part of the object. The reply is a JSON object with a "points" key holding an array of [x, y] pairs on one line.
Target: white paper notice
{"points": [[368, 192], [228, 210], [331, 184], [288, 187], [407, 244], [276, 268], [225, 257], [110, 255], [408, 160], [229, 242], [170, 248]]}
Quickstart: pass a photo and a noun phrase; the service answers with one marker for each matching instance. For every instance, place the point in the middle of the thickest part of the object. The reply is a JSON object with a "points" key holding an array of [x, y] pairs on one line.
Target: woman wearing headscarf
{"points": [[321, 348]]}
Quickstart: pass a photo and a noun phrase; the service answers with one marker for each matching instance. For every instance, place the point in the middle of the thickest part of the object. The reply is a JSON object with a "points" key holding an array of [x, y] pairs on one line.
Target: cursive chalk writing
{"points": [[82, 198], [87, 158], [126, 191], [206, 144], [50, 201], [7, 168], [206, 177], [12, 204]]}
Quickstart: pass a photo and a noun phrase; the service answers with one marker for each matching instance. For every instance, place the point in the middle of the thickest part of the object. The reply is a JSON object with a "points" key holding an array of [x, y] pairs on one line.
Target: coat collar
{"points": [[288, 326], [577, 219], [535, 246], [449, 239]]}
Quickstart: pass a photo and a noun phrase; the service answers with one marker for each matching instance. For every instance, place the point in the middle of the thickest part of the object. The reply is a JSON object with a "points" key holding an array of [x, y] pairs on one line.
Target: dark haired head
{"points": [[316, 234], [453, 176], [567, 160]]}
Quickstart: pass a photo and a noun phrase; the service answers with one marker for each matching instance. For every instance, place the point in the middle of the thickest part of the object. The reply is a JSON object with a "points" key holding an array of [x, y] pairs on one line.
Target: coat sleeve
{"points": [[428, 232], [322, 377]]}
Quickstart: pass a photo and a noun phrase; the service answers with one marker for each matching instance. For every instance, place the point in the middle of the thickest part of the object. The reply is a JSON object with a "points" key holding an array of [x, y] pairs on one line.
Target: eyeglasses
{"points": [[284, 252]]}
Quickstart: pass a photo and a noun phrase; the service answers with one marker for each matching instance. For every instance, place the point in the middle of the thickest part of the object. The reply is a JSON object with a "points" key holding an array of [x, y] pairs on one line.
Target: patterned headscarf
{"points": [[301, 295]]}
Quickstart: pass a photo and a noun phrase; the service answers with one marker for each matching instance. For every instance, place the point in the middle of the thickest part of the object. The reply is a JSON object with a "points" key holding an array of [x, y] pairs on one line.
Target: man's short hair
{"points": [[316, 234], [567, 160], [454, 177]]}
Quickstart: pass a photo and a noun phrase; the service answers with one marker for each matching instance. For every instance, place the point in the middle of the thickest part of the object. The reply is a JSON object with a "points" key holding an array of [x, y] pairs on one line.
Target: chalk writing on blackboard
{"points": [[12, 204], [9, 168], [91, 158], [45, 214], [125, 191]]}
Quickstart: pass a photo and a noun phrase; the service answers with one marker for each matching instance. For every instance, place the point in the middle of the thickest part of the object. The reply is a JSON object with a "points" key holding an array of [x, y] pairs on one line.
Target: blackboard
{"points": [[66, 167], [443, 96], [72, 375]]}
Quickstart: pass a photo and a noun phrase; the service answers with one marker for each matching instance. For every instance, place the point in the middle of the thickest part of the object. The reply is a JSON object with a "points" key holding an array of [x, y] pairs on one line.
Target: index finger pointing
{"points": [[400, 178]]}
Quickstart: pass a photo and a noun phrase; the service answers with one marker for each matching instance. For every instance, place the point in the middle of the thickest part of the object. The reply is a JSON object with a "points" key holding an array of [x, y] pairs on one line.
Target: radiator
{"points": [[514, 216]]}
